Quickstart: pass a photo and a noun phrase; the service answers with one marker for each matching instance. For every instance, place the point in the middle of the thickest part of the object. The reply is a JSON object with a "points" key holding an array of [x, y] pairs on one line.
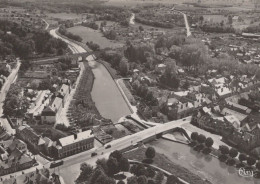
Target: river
{"points": [[206, 167], [106, 95]]}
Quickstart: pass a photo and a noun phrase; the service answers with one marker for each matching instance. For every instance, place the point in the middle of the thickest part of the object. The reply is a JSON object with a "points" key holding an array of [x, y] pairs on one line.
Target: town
{"points": [[130, 92]]}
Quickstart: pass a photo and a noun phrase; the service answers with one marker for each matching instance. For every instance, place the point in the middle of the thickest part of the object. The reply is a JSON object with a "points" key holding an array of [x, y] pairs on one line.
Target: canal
{"points": [[207, 167], [106, 95]]}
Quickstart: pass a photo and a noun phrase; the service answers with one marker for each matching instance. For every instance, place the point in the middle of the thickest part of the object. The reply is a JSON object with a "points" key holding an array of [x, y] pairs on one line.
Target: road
{"points": [[72, 164], [185, 21], [76, 49], [132, 18], [47, 24]]}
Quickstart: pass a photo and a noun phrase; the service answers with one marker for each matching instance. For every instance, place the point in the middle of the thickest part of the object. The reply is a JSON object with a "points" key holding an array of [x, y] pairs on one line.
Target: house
{"points": [[180, 110], [160, 68], [56, 104], [64, 92], [16, 161], [223, 92], [30, 137], [226, 111], [73, 144], [48, 146], [48, 115], [233, 121]]}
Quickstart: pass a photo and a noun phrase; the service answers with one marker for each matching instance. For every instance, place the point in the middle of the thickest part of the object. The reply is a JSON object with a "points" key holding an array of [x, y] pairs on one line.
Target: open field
{"points": [[65, 16], [165, 163], [215, 18], [88, 35]]}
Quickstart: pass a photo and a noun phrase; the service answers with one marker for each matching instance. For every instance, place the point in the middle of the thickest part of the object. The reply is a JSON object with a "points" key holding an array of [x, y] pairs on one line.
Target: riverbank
{"points": [[83, 106], [162, 161], [204, 166]]}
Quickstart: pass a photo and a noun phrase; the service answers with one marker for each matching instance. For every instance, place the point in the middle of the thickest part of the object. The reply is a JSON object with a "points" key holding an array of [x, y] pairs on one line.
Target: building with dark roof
{"points": [[33, 140], [48, 116]]}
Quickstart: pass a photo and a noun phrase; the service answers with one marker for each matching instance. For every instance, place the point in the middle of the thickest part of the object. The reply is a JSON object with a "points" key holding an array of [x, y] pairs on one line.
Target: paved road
{"points": [[72, 164], [76, 49]]}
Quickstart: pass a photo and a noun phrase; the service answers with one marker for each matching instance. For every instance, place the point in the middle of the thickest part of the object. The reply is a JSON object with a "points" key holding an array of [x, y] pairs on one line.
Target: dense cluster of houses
{"points": [[14, 156], [226, 116]]}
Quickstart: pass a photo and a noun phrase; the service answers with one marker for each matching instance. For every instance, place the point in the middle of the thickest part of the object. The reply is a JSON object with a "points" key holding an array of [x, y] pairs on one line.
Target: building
{"points": [[180, 110], [48, 116], [73, 144], [14, 157], [16, 161], [33, 140]]}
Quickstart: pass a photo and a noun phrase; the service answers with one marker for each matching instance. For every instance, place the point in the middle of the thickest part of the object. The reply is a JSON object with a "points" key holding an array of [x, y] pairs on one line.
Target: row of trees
{"points": [[63, 31], [229, 155], [201, 143], [92, 25]]}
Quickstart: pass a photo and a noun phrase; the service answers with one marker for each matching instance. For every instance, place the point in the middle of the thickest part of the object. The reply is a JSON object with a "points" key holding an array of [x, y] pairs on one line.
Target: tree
{"points": [[242, 157], [102, 163], [231, 162], [258, 165], [140, 170], [194, 136], [124, 66], [233, 152], [116, 154], [209, 142], [132, 180], [45, 84], [112, 165], [172, 180], [121, 182], [86, 171], [142, 180], [159, 177], [223, 149], [150, 152], [124, 164], [230, 20], [141, 28], [150, 181], [133, 169], [25, 65], [201, 138], [250, 161], [150, 172]]}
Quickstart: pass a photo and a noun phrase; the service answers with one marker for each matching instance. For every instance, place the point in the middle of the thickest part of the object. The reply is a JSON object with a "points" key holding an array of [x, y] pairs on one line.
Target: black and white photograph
{"points": [[129, 91]]}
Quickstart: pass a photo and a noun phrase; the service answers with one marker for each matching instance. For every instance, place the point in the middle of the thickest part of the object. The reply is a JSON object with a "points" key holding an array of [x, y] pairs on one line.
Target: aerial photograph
{"points": [[129, 91]]}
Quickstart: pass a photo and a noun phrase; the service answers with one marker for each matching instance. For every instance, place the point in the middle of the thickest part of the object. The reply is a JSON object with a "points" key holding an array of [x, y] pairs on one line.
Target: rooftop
{"points": [[73, 139]]}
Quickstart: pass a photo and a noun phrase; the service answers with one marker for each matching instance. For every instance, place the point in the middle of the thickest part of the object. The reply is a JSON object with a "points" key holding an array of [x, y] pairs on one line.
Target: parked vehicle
{"points": [[56, 163], [108, 146], [93, 154]]}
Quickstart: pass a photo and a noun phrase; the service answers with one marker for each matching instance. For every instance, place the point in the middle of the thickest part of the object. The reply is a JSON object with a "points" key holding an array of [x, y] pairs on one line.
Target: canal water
{"points": [[207, 167], [106, 95]]}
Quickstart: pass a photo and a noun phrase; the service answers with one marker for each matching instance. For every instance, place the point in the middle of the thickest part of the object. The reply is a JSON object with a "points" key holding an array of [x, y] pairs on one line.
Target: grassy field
{"points": [[165, 163], [215, 18], [88, 35]]}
